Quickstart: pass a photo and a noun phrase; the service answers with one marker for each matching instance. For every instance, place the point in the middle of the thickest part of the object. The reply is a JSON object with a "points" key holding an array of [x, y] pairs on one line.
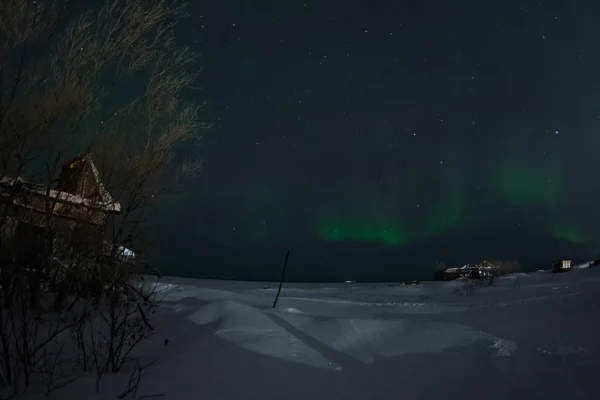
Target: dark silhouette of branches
{"points": [[69, 298]]}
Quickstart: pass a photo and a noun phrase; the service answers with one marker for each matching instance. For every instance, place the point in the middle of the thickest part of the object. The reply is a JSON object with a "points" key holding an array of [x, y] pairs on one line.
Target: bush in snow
{"points": [[470, 285]]}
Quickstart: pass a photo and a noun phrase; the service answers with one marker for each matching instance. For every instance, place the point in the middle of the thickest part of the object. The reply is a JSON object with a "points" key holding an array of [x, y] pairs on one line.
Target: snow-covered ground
{"points": [[527, 336]]}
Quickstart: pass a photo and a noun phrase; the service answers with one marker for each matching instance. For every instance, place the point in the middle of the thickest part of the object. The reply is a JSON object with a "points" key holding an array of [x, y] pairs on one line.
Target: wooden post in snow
{"points": [[282, 276]]}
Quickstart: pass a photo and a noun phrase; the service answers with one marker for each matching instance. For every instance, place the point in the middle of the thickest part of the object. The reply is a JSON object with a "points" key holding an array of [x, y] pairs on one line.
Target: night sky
{"points": [[373, 138]]}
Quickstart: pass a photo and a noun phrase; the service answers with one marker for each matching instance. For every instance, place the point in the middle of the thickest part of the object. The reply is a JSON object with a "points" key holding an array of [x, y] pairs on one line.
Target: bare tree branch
{"points": [[62, 94]]}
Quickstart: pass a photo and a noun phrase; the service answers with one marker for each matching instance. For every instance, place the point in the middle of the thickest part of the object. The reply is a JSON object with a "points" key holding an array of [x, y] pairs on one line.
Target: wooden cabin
{"points": [[79, 196], [71, 215]]}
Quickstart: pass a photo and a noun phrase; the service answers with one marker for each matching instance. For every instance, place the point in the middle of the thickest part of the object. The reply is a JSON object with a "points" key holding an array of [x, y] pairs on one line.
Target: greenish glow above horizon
{"points": [[446, 214], [522, 185], [356, 230], [389, 226], [416, 208], [569, 232]]}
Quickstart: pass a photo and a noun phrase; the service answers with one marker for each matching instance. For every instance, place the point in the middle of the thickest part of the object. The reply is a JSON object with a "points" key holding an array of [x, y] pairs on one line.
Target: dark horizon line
{"points": [[530, 269]]}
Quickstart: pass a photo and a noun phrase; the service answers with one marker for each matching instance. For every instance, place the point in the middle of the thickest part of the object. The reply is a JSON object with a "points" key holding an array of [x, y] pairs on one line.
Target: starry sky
{"points": [[372, 138]]}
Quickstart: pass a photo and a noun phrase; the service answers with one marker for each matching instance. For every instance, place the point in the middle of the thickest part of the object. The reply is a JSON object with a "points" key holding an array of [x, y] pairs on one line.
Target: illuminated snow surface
{"points": [[527, 336]]}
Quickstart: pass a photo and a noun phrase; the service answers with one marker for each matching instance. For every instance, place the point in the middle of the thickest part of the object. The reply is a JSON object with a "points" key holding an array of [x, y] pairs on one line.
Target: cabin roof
{"points": [[106, 202], [87, 159]]}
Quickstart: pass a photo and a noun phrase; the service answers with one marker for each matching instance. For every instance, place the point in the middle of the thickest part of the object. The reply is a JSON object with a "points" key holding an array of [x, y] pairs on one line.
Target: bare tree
{"points": [[470, 286], [62, 93]]}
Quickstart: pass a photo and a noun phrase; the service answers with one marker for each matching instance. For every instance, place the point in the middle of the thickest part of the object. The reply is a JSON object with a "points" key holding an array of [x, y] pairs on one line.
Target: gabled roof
{"points": [[106, 202], [87, 159]]}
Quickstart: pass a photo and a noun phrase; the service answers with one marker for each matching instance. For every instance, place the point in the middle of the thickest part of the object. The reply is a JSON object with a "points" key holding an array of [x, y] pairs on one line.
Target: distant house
{"points": [[484, 269], [561, 265], [487, 268], [71, 214], [450, 274]]}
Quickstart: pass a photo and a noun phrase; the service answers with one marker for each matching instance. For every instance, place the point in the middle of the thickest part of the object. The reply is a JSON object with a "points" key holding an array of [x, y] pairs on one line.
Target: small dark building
{"points": [[561, 265], [451, 274], [485, 269]]}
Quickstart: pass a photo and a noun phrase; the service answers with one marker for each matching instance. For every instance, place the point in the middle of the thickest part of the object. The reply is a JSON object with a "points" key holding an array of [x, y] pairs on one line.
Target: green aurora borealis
{"points": [[374, 139], [388, 227], [346, 227], [362, 214]]}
